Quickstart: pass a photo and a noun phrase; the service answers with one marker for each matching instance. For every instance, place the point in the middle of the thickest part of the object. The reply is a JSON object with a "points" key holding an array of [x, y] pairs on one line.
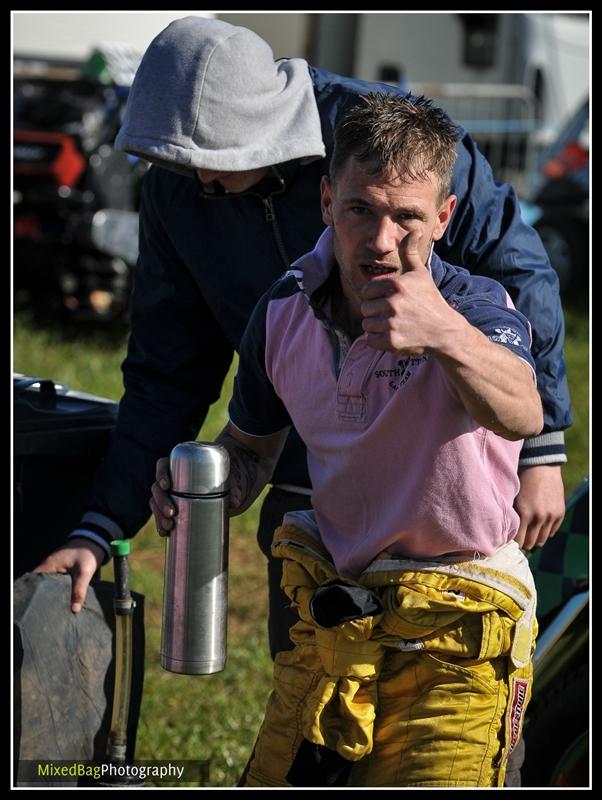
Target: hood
{"points": [[209, 95]]}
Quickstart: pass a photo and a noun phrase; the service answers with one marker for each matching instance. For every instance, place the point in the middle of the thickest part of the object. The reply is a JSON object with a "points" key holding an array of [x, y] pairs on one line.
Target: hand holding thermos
{"points": [[195, 592]]}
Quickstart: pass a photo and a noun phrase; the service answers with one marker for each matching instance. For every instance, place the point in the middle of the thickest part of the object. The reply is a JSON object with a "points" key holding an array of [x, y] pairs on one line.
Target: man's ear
{"points": [[326, 200], [444, 216]]}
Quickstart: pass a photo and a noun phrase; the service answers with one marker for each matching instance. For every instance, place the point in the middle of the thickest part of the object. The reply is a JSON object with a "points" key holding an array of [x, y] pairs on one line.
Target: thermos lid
{"points": [[199, 468], [120, 547]]}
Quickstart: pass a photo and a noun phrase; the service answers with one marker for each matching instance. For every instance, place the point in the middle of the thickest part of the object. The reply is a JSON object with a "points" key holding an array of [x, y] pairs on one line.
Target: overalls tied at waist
{"points": [[476, 610]]}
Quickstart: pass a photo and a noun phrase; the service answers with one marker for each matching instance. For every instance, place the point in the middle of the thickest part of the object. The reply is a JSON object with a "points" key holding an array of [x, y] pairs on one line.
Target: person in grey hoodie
{"points": [[239, 143]]}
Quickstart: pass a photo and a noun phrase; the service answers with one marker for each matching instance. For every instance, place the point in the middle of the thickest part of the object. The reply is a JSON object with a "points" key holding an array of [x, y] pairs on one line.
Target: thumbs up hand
{"points": [[406, 313]]}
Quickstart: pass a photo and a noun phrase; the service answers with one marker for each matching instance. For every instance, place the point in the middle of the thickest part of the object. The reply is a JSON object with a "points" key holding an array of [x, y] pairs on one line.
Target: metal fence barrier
{"points": [[501, 119]]}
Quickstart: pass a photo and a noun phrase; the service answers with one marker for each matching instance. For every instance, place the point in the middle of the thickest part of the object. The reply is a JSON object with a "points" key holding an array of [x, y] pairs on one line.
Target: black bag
{"points": [[60, 437]]}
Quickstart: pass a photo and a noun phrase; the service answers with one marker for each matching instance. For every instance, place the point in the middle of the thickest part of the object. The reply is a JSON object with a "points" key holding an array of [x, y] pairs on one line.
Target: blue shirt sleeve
{"points": [[255, 408], [507, 327]]}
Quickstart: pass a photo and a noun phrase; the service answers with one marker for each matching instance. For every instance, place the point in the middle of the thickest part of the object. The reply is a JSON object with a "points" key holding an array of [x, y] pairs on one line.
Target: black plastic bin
{"points": [[60, 437]]}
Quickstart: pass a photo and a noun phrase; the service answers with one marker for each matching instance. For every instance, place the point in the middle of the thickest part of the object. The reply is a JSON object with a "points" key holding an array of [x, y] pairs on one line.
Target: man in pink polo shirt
{"points": [[412, 385]]}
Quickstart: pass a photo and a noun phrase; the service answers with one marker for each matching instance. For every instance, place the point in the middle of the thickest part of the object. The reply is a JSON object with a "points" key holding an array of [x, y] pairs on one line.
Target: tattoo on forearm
{"points": [[245, 471]]}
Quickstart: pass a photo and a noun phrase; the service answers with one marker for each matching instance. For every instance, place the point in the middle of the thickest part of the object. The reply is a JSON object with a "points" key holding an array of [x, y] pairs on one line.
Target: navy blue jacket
{"points": [[207, 258]]}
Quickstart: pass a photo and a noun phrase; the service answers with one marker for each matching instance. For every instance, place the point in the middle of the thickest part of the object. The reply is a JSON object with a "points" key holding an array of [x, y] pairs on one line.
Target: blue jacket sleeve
{"points": [[176, 362], [487, 236]]}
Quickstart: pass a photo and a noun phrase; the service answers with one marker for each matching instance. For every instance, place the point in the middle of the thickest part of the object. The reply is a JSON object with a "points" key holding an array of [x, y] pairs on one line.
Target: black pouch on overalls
{"points": [[332, 604], [336, 602]]}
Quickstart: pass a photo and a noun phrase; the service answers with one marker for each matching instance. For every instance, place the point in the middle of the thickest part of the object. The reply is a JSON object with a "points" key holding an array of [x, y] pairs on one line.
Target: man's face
{"points": [[233, 181], [370, 216]]}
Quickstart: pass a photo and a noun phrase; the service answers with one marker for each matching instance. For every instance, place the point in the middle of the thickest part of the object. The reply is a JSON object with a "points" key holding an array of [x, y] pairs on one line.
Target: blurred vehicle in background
{"points": [[558, 203], [75, 198]]}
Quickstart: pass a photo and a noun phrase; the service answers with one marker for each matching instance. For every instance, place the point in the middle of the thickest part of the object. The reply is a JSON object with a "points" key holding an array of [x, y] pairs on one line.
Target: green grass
{"points": [[216, 718], [577, 361]]}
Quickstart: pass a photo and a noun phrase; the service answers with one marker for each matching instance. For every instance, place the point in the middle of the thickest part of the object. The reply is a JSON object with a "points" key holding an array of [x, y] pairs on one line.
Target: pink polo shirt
{"points": [[395, 460]]}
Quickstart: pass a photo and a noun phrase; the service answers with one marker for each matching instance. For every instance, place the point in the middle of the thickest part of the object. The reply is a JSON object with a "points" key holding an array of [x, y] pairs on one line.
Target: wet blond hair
{"points": [[392, 134]]}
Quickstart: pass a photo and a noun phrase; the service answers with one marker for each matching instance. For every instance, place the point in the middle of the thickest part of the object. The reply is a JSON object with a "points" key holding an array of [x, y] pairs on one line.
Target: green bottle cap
{"points": [[120, 547]]}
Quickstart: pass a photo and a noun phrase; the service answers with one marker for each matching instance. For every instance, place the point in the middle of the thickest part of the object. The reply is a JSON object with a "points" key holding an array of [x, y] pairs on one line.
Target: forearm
{"points": [[252, 463], [496, 387]]}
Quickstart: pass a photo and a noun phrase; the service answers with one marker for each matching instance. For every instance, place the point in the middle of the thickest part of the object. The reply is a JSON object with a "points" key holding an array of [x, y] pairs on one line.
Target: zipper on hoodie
{"points": [[270, 216]]}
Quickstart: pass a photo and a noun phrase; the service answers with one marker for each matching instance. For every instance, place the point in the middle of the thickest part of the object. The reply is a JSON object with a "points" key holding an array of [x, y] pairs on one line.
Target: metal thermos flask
{"points": [[195, 591]]}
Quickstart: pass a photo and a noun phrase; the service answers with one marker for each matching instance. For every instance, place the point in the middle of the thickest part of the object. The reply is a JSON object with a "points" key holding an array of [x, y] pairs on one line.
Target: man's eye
{"points": [[360, 210]]}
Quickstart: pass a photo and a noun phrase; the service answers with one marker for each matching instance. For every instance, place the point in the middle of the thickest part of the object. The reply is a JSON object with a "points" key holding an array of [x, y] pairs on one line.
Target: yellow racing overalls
{"points": [[416, 674]]}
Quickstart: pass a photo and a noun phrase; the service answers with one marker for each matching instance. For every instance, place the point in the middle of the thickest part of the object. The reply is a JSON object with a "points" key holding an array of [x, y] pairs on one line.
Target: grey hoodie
{"points": [[208, 95]]}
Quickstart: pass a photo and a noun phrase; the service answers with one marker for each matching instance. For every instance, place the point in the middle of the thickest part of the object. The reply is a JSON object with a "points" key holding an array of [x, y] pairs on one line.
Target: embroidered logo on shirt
{"points": [[402, 373], [507, 336]]}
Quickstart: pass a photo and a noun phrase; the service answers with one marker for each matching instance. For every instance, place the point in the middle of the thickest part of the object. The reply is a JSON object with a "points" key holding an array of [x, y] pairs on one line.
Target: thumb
{"points": [[411, 258], [79, 590], [522, 530], [162, 474]]}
